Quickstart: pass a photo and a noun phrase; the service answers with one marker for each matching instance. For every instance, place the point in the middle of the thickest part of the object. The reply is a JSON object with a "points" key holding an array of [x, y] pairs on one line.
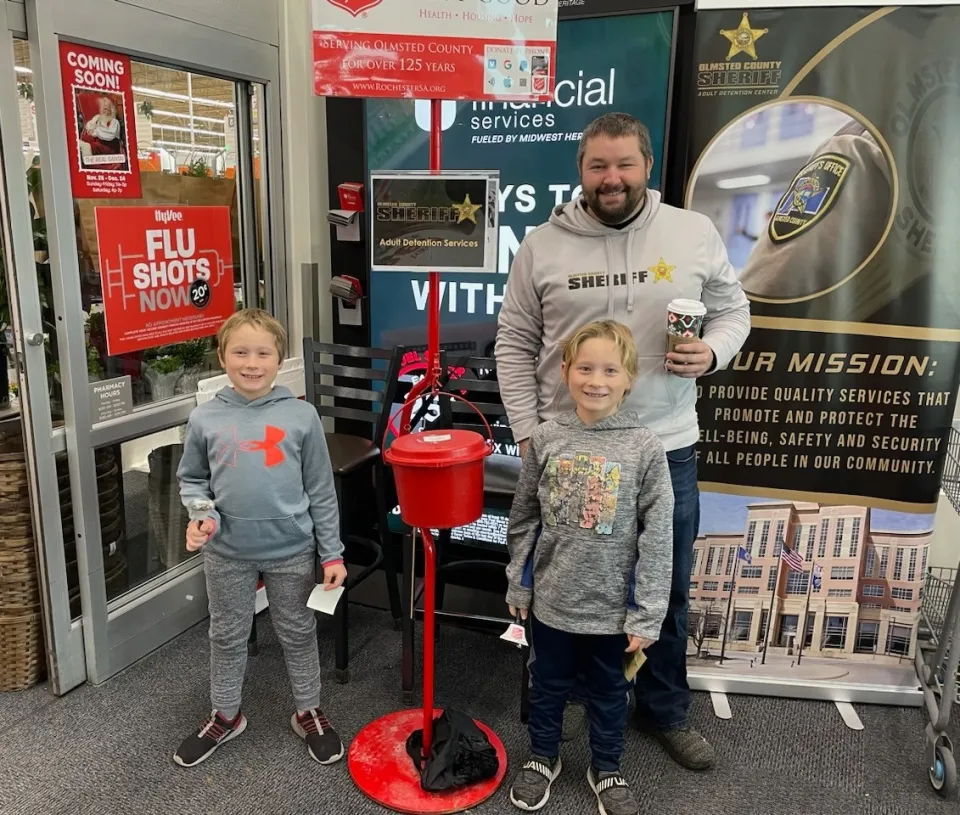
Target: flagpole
{"points": [[806, 611], [773, 605], [726, 625]]}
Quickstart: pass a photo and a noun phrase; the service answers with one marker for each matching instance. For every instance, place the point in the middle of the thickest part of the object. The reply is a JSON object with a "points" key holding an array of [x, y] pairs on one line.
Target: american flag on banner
{"points": [[792, 560]]}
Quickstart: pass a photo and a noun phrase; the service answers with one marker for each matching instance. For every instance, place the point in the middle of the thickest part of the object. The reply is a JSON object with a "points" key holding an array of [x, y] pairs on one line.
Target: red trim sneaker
{"points": [[323, 743], [212, 733]]}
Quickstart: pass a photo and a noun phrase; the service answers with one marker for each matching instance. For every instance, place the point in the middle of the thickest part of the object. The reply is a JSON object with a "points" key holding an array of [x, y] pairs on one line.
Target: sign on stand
{"points": [[424, 49], [439, 223]]}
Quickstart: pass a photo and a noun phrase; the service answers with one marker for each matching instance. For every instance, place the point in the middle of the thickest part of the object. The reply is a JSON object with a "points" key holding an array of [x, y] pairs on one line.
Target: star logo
{"points": [[661, 271], [743, 38], [466, 211], [355, 7]]}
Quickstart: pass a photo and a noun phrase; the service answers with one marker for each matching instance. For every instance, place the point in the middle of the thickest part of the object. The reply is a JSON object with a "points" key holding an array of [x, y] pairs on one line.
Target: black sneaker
{"points": [[212, 733], [613, 793], [531, 786], [323, 743]]}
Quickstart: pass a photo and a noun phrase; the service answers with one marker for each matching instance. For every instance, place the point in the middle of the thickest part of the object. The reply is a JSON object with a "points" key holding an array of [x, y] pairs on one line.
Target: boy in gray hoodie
{"points": [[591, 553], [257, 480]]}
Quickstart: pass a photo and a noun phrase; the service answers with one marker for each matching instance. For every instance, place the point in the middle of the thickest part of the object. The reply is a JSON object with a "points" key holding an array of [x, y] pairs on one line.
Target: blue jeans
{"points": [[663, 695], [561, 658]]}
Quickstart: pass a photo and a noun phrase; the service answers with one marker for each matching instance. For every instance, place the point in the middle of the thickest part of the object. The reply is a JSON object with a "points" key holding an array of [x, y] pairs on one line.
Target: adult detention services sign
{"points": [[440, 223], [435, 49]]}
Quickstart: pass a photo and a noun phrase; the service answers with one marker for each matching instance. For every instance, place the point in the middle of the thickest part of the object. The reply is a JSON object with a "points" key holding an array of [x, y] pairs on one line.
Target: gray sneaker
{"points": [[613, 793], [531, 786], [574, 720], [687, 747]]}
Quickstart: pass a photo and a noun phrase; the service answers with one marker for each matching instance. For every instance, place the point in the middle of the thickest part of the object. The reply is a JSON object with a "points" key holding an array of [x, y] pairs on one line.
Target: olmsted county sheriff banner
{"points": [[818, 149]]}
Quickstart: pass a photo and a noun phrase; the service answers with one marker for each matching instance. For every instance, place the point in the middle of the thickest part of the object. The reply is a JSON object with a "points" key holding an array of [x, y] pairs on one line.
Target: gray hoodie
{"points": [[574, 269], [265, 466], [591, 528]]}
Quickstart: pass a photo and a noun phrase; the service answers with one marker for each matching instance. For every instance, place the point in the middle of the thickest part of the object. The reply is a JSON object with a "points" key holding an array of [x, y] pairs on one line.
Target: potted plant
{"points": [[193, 353], [163, 372]]}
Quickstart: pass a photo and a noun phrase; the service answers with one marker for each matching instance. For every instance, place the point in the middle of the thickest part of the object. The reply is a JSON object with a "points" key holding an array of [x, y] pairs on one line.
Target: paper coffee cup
{"points": [[684, 322]]}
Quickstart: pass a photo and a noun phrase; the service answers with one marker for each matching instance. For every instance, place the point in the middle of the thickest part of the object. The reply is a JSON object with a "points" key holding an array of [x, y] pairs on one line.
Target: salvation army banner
{"points": [[472, 49], [817, 148], [101, 122], [166, 274], [534, 146]]}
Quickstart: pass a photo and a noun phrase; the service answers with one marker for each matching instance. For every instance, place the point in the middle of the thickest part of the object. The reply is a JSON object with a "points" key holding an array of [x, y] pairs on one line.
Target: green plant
{"points": [[145, 108], [197, 168], [25, 89], [165, 364], [193, 352], [94, 363]]}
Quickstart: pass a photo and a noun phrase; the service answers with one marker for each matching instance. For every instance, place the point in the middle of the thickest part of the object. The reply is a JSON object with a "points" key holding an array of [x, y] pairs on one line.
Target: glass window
{"points": [[838, 537], [873, 591], [811, 539], [143, 522], [855, 537], [898, 640], [797, 582], [751, 572], [822, 549], [835, 632], [754, 131], [796, 120], [751, 534], [788, 629], [748, 590], [764, 536], [187, 138], [868, 633], [33, 168], [741, 626], [778, 539]]}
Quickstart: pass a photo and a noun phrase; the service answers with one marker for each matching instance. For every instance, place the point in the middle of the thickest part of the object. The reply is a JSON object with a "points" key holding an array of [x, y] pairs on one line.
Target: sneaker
{"points": [[614, 796], [212, 733], [323, 743], [574, 720], [531, 786], [687, 747]]}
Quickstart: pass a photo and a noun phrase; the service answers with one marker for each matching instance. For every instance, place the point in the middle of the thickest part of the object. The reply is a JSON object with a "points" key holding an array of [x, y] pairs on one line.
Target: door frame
{"points": [[119, 632], [63, 636]]}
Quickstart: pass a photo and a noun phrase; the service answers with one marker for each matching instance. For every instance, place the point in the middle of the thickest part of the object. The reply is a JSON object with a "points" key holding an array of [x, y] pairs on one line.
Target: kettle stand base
{"points": [[383, 770]]}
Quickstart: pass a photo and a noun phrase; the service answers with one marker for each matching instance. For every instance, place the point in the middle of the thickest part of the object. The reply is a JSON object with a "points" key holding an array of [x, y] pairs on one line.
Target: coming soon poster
{"points": [[820, 148]]}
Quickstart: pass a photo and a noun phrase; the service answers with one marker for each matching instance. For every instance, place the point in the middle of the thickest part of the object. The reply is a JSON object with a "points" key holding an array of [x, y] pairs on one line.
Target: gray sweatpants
{"points": [[231, 589]]}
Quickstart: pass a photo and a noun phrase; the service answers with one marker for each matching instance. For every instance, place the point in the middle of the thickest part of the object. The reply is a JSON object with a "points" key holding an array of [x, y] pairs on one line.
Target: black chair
{"points": [[475, 379], [341, 383]]}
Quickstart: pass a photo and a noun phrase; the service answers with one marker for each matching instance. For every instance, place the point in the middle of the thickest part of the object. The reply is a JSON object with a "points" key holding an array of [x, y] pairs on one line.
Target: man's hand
{"points": [[333, 576], [514, 610], [690, 360], [523, 448], [638, 643], [198, 532]]}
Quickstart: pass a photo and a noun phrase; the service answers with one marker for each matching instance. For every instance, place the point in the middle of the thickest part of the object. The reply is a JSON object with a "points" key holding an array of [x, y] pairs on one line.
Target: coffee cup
{"points": [[684, 322]]}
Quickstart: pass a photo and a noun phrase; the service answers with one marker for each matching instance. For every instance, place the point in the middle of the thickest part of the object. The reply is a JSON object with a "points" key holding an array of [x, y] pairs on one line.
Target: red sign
{"points": [[422, 49], [101, 122], [167, 274]]}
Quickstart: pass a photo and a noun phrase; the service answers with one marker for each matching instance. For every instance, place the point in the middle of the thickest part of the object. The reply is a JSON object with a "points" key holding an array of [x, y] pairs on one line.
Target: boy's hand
{"points": [[198, 532], [514, 610], [333, 576], [638, 643]]}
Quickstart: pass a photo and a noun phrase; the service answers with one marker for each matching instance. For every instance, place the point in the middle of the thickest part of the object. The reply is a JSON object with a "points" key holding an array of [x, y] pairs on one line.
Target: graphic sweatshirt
{"points": [[591, 528], [575, 269], [265, 466]]}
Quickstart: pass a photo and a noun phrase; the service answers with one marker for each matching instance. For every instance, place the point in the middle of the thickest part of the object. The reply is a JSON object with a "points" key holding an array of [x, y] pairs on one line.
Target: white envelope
{"points": [[324, 601]]}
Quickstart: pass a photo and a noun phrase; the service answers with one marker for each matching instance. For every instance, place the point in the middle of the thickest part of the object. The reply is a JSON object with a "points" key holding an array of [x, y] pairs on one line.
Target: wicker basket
{"points": [[22, 662]]}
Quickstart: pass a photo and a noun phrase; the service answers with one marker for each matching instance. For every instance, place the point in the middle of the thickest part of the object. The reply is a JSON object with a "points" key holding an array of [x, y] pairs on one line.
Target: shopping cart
{"points": [[938, 658]]}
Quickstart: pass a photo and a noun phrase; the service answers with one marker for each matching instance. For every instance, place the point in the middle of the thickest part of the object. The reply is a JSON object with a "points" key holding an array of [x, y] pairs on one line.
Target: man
{"points": [[617, 252]]}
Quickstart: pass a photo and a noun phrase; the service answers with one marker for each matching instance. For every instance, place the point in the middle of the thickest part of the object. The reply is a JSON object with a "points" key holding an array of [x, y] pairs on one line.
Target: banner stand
{"points": [[378, 759]]}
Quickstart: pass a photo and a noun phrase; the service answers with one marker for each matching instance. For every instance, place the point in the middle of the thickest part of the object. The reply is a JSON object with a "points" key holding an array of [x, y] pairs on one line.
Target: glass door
{"points": [[188, 113]]}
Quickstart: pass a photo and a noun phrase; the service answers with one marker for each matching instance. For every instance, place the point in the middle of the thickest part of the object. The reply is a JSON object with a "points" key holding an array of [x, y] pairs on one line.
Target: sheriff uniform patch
{"points": [[809, 197]]}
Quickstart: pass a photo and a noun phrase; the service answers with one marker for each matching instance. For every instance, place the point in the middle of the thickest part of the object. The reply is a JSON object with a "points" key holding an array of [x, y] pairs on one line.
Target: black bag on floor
{"points": [[461, 753]]}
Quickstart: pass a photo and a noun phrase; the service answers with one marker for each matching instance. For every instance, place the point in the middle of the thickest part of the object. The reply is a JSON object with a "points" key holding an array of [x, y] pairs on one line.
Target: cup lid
{"points": [[692, 307]]}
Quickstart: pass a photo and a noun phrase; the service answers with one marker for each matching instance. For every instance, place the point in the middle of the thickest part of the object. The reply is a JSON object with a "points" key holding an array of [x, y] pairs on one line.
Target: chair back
{"points": [[352, 385]]}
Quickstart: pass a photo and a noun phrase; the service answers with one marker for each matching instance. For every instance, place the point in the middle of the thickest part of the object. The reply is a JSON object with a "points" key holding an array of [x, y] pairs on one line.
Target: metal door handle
{"points": [[35, 339]]}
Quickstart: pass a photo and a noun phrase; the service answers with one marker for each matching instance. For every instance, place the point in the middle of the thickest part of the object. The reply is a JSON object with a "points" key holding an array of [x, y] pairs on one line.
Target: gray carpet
{"points": [[107, 750]]}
